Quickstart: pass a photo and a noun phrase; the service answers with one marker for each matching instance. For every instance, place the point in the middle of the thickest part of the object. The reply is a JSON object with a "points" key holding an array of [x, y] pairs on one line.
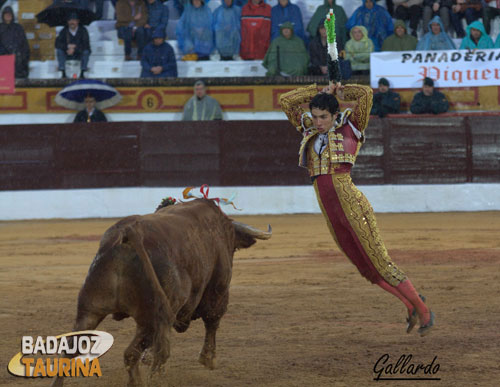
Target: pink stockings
{"points": [[409, 296]]}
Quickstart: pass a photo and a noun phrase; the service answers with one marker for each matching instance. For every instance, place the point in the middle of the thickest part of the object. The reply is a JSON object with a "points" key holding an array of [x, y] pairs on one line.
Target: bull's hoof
{"points": [[208, 361]]}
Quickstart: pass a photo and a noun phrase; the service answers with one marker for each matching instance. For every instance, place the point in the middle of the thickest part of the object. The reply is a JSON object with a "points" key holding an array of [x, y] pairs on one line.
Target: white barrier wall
{"points": [[119, 202]]}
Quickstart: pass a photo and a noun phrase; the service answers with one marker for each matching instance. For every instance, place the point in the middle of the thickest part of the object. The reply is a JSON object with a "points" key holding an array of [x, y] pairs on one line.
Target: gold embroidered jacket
{"points": [[344, 140]]}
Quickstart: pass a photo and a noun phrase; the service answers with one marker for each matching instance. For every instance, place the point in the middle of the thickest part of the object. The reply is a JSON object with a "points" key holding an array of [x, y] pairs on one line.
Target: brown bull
{"points": [[164, 269]]}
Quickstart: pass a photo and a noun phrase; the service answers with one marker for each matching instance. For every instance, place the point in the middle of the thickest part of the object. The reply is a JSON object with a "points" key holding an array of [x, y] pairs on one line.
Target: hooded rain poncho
{"points": [[396, 43], [13, 42], [484, 41], [204, 109], [194, 31], [358, 52], [290, 13], [227, 29], [431, 42], [340, 22], [286, 56], [377, 21]]}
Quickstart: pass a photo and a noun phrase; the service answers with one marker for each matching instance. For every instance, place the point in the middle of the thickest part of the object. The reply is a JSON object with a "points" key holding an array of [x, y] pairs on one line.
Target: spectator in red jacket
{"points": [[255, 29]]}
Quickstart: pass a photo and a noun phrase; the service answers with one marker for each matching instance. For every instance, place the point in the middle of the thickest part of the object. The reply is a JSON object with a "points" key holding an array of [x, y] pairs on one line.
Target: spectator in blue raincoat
{"points": [[157, 17], [436, 38], [476, 37], [158, 58], [375, 19], [284, 12], [194, 30], [227, 30]]}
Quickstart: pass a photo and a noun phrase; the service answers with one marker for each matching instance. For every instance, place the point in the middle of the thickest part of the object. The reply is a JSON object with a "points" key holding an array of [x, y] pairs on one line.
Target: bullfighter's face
{"points": [[323, 120]]}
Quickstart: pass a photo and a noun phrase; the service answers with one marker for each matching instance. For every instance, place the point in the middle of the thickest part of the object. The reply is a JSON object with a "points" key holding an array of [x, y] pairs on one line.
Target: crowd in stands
{"points": [[253, 30]]}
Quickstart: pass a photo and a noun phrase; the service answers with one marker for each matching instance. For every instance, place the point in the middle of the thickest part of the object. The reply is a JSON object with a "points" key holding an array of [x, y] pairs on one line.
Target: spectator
{"points": [[90, 113], [227, 30], [131, 17], [194, 30], [375, 19], [255, 29], [385, 101], [73, 43], [319, 59], [441, 8], [490, 12], [429, 100], [358, 49], [470, 9], [200, 106], [476, 37], [436, 38], [409, 10], [287, 54], [283, 12], [158, 59], [13, 42], [400, 40], [157, 18], [340, 22]]}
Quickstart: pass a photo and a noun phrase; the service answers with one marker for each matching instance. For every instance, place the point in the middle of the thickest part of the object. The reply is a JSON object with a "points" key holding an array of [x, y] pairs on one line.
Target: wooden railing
{"points": [[402, 149]]}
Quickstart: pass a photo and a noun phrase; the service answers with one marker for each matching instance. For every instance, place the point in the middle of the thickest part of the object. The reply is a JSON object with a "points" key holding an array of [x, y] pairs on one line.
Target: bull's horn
{"points": [[252, 231]]}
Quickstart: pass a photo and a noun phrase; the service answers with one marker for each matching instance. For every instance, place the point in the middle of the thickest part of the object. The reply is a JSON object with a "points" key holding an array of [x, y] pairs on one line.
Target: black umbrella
{"points": [[57, 14]]}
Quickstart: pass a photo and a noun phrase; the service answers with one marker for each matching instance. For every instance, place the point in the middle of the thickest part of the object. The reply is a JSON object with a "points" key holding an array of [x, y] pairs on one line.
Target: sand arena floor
{"points": [[299, 313]]}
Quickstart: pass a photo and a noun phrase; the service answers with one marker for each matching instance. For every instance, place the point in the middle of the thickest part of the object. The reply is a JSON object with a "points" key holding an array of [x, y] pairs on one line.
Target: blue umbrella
{"points": [[73, 95]]}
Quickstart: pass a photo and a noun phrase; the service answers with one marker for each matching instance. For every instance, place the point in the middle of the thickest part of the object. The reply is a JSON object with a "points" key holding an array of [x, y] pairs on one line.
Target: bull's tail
{"points": [[162, 316]]}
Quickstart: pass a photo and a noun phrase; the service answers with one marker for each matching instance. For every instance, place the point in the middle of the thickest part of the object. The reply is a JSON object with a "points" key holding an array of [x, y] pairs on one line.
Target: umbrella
{"points": [[57, 14], [73, 95]]}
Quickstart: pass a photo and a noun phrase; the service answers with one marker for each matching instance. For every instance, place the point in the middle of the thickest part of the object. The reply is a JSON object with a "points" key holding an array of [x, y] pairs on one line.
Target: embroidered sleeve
{"points": [[291, 104], [363, 95]]}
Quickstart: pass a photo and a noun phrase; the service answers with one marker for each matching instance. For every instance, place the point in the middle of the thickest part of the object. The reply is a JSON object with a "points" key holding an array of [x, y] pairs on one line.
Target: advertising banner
{"points": [[452, 68]]}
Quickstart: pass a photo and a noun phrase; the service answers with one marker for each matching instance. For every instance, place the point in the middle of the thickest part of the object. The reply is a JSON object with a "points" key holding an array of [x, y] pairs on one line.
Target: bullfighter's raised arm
{"points": [[291, 104], [363, 95]]}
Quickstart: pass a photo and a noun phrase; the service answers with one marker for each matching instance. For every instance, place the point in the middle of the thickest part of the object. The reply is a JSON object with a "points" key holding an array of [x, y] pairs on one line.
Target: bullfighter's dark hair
{"points": [[324, 101]]}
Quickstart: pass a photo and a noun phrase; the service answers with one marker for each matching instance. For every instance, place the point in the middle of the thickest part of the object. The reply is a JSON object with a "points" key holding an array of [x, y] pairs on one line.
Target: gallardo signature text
{"points": [[405, 368]]}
